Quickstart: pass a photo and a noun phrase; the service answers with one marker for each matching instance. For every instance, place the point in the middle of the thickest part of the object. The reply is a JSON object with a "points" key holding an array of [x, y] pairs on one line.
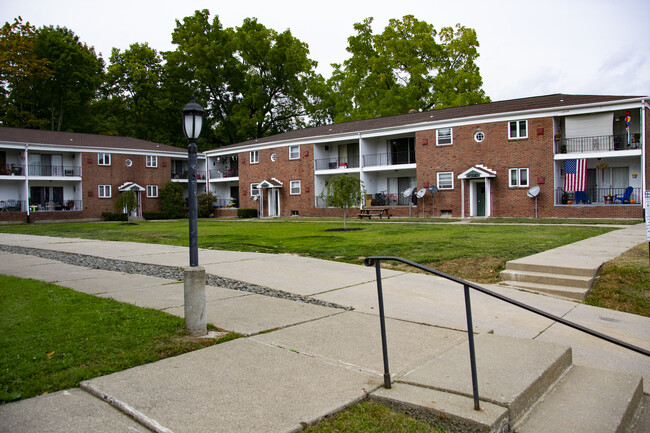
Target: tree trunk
{"points": [[345, 214]]}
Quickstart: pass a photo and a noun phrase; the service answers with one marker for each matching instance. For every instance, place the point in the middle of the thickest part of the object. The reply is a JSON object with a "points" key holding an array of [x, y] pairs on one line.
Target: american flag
{"points": [[575, 175]]}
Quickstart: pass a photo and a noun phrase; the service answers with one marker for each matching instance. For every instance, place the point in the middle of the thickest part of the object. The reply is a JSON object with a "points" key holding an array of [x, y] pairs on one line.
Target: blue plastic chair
{"points": [[625, 198]]}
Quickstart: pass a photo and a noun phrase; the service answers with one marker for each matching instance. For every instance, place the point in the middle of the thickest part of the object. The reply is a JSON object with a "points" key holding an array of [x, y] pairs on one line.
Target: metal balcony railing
{"points": [[598, 196], [12, 170], [337, 163], [376, 261], [54, 170], [53, 206], [393, 158], [217, 173], [598, 143], [200, 174], [12, 205]]}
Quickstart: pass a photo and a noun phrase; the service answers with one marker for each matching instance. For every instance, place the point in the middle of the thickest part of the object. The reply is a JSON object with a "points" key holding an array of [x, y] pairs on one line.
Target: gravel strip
{"points": [[160, 271]]}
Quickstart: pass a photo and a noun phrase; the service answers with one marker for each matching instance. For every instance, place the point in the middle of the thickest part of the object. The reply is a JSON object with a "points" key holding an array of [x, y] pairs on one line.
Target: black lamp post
{"points": [[192, 122]]}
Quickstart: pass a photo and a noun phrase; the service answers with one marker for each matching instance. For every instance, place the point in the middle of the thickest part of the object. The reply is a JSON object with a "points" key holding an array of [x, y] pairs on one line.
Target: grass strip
{"points": [[369, 416], [54, 337], [623, 284]]}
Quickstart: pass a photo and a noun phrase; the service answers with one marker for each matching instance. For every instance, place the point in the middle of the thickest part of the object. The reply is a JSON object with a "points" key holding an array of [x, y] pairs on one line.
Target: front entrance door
{"points": [[480, 199], [274, 202]]}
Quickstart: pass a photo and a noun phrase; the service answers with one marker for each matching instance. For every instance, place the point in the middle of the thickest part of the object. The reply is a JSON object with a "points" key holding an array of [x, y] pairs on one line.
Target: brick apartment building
{"points": [[47, 175], [481, 160]]}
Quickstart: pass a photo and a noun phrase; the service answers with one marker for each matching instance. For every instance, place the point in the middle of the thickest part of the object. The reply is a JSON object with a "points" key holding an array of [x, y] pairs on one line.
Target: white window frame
{"points": [[451, 177], [294, 152], [518, 133], [294, 187], [104, 159], [254, 156], [518, 183], [104, 191], [152, 191], [152, 161], [450, 137], [255, 191]]}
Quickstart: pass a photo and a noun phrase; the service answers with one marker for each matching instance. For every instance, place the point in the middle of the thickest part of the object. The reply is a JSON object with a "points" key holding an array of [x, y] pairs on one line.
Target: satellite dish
{"points": [[433, 189], [533, 192], [408, 192], [421, 192]]}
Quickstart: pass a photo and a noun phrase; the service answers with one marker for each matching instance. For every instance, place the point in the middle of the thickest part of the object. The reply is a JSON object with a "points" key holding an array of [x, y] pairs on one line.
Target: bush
{"points": [[246, 213], [161, 215], [115, 216], [171, 199], [204, 205]]}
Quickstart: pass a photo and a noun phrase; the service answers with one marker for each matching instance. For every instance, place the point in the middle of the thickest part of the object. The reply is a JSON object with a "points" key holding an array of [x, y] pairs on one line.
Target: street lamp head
{"points": [[192, 120]]}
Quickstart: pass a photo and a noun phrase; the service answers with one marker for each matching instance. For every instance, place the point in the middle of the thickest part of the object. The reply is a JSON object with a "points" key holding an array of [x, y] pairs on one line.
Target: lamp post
{"points": [[192, 122], [194, 275]]}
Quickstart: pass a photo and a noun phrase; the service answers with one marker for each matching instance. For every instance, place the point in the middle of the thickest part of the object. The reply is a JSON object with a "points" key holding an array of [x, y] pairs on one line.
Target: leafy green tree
{"points": [[21, 70], [127, 200], [172, 201], [408, 66], [343, 192], [252, 81], [76, 74]]}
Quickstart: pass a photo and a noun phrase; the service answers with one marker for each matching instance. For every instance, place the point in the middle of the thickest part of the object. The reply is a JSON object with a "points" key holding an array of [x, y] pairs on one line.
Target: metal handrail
{"points": [[376, 260]]}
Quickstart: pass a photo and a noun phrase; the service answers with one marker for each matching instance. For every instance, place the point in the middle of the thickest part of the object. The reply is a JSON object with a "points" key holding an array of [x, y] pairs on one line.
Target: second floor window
{"points": [[294, 152], [444, 137], [152, 161], [518, 129], [103, 159], [255, 156]]}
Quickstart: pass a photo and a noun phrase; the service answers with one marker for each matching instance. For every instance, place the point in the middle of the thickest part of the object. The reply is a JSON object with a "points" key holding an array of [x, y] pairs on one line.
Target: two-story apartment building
{"points": [[478, 161], [47, 175]]}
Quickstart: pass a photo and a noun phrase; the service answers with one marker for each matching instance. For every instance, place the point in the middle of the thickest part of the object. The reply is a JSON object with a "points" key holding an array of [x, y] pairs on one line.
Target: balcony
{"points": [[182, 175], [222, 173], [337, 163], [54, 170], [12, 170], [596, 196], [392, 158], [601, 143]]}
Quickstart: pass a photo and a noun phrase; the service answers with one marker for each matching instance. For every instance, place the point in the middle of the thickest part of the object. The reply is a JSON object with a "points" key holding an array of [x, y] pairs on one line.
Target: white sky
{"points": [[527, 47]]}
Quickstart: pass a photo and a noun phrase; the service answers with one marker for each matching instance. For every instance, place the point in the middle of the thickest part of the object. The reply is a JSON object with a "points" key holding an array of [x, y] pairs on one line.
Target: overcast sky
{"points": [[527, 47]]}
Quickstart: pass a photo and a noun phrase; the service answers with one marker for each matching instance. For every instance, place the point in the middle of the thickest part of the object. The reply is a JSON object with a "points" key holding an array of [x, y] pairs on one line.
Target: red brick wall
{"points": [[284, 170], [117, 174]]}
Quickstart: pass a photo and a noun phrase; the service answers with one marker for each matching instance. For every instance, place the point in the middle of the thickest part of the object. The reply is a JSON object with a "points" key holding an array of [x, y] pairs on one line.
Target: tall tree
{"points": [[20, 72], [408, 66], [252, 80], [76, 74]]}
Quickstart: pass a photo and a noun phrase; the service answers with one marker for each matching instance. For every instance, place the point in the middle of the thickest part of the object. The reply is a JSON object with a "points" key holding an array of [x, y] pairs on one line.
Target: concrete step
{"points": [[512, 373], [587, 401], [571, 293], [551, 279], [526, 266]]}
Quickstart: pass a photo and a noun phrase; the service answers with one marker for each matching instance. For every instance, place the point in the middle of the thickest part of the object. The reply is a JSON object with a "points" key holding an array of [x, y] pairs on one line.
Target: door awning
{"points": [[477, 172], [130, 186], [273, 183]]}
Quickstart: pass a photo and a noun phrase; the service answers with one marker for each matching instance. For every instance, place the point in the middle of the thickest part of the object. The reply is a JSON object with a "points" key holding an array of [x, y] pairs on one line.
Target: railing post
{"points": [[382, 322], [472, 351]]}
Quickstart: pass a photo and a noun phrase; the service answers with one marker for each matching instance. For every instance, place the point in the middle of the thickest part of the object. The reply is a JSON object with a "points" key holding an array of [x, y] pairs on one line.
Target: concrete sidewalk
{"points": [[317, 359]]}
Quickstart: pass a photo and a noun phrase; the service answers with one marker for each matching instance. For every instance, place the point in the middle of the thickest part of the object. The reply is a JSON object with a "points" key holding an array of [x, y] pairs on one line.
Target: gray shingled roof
{"points": [[36, 136], [513, 105]]}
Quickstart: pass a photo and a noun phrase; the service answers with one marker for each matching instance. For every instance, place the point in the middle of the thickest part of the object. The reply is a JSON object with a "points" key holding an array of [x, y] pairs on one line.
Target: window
{"points": [[152, 161], [446, 180], [254, 190], [103, 159], [518, 177], [152, 191], [104, 191], [479, 136], [444, 137], [294, 152], [294, 187], [518, 129], [255, 156]]}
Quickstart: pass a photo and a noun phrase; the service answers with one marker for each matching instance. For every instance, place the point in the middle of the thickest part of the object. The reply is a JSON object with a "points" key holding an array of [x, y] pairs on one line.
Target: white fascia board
{"points": [[595, 107], [592, 155], [74, 149]]}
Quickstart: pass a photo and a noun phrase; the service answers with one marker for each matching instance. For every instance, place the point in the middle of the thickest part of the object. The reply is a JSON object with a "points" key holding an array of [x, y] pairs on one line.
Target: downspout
{"points": [[26, 171], [643, 153]]}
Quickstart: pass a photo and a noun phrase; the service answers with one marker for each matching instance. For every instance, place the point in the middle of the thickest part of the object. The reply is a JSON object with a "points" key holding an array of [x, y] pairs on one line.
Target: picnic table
{"points": [[368, 213]]}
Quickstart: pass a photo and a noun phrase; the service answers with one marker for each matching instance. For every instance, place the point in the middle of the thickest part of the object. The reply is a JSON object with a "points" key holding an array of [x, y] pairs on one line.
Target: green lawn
{"points": [[476, 252], [53, 337]]}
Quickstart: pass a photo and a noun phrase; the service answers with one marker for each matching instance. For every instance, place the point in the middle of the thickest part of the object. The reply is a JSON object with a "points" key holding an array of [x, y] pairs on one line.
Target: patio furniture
{"points": [[625, 198]]}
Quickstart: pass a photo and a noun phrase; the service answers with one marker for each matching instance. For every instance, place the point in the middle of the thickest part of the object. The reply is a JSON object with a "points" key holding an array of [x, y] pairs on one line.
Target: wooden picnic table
{"points": [[368, 213]]}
